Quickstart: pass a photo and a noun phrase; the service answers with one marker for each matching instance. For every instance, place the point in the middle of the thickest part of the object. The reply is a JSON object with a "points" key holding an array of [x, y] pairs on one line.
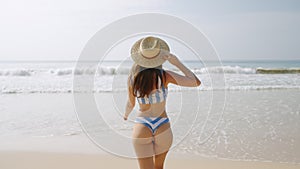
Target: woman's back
{"points": [[153, 104]]}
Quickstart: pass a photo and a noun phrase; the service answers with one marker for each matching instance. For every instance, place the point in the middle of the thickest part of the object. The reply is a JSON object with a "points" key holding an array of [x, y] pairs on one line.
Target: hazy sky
{"points": [[239, 29]]}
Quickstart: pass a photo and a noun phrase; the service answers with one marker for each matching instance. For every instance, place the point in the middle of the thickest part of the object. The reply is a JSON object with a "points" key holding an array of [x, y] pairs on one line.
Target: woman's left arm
{"points": [[130, 102]]}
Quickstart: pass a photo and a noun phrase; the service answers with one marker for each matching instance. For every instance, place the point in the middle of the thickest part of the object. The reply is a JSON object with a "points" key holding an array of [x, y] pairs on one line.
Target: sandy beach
{"points": [[43, 160], [46, 123]]}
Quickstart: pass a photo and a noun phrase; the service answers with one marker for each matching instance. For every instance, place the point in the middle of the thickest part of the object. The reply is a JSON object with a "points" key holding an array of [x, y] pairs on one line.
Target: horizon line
{"points": [[130, 60]]}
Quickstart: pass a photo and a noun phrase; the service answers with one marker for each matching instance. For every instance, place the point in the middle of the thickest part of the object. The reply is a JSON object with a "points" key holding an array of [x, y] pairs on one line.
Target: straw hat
{"points": [[148, 52]]}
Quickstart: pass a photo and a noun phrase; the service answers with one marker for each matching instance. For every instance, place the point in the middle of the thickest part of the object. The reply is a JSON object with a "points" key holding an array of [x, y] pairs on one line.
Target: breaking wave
{"points": [[109, 70]]}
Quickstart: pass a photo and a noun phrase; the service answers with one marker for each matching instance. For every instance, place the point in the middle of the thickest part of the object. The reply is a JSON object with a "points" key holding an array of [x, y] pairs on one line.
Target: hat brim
{"points": [[158, 60]]}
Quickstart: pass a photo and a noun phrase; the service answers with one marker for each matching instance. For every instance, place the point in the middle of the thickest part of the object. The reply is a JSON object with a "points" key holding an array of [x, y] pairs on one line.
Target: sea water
{"points": [[56, 77], [257, 120]]}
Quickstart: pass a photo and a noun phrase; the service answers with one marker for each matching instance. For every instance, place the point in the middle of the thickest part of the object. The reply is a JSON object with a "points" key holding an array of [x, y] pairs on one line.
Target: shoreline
{"points": [[47, 160]]}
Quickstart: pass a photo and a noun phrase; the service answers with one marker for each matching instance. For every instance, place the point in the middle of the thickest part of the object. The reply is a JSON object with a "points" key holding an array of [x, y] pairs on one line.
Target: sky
{"points": [[238, 29]]}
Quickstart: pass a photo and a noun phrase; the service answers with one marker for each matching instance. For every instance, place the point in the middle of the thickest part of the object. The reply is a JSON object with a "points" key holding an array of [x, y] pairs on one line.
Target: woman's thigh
{"points": [[142, 139], [163, 139]]}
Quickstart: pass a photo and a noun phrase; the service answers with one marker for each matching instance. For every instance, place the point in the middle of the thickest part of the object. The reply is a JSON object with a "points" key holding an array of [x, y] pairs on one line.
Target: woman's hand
{"points": [[189, 79], [125, 118], [171, 58]]}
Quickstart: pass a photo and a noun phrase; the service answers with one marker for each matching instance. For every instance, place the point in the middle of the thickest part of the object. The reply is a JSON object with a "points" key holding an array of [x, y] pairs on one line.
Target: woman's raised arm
{"points": [[189, 80]]}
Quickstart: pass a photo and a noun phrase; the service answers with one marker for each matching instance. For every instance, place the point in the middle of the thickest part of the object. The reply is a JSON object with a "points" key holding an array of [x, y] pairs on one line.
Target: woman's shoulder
{"points": [[130, 79], [169, 77]]}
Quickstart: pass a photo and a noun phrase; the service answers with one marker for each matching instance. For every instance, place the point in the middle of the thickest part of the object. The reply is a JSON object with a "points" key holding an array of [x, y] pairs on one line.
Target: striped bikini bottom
{"points": [[153, 123]]}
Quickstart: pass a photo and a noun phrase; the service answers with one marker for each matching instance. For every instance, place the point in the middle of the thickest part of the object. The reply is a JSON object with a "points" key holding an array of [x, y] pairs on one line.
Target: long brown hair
{"points": [[145, 79]]}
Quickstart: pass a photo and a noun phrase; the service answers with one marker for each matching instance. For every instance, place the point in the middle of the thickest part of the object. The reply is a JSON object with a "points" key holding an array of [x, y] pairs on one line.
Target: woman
{"points": [[148, 83]]}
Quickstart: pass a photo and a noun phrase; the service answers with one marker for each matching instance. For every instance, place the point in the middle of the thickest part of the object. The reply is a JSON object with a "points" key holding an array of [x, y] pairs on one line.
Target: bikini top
{"points": [[156, 95]]}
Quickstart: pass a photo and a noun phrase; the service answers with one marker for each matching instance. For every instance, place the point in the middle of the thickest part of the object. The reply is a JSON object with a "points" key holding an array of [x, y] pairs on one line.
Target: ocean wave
{"points": [[277, 70], [65, 71], [90, 71], [225, 69], [245, 70], [16, 72], [110, 70], [227, 88]]}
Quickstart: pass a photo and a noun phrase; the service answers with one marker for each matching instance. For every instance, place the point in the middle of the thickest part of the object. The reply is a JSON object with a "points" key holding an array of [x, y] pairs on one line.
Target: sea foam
{"points": [[110, 70]]}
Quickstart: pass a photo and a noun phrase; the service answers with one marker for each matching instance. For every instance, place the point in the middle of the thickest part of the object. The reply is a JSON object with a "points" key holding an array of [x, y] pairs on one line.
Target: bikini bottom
{"points": [[153, 123]]}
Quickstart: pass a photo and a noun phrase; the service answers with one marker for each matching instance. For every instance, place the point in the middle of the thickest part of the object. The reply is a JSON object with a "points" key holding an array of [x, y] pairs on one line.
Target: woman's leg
{"points": [[146, 163], [163, 140], [143, 145], [160, 160]]}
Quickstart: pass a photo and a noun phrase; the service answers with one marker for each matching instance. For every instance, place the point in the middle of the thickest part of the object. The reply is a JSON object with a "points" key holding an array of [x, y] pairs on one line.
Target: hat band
{"points": [[151, 57]]}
